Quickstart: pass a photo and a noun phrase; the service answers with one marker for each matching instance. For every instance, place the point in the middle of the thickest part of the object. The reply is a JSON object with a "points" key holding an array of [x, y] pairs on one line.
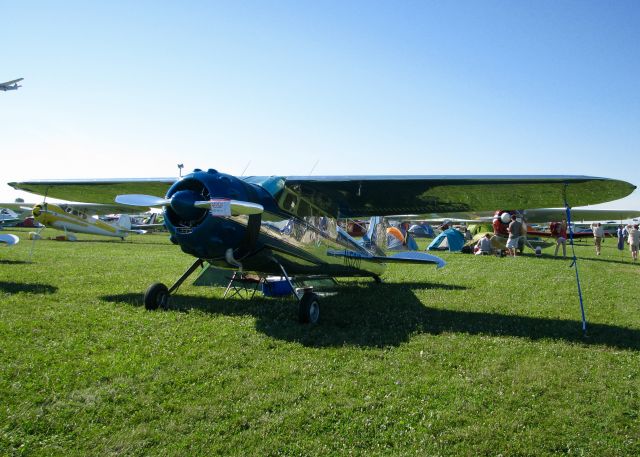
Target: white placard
{"points": [[220, 208]]}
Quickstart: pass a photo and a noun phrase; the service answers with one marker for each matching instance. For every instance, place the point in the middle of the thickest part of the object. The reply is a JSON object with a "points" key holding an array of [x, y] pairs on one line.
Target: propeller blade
{"points": [[142, 200], [222, 207]]}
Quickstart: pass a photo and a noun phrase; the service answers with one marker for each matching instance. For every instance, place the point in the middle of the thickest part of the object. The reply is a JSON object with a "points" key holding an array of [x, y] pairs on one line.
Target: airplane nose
{"points": [[182, 202]]}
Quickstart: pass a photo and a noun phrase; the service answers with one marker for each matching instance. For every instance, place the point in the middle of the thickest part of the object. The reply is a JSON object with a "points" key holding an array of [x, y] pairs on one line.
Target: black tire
{"points": [[309, 308], [157, 295]]}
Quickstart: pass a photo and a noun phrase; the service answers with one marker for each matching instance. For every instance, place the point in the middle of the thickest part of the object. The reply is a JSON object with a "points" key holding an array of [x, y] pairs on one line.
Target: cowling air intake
{"points": [[198, 210]]}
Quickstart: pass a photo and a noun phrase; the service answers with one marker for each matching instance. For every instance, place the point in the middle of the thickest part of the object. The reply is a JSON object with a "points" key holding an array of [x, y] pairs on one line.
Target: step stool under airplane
{"points": [[10, 85], [287, 225], [79, 218]]}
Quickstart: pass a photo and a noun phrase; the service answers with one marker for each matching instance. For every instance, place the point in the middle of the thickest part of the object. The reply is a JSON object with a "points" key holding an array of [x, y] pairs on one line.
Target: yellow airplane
{"points": [[80, 218]]}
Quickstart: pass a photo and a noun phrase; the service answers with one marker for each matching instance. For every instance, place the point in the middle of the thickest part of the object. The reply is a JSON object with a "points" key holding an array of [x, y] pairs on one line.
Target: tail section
{"points": [[124, 222]]}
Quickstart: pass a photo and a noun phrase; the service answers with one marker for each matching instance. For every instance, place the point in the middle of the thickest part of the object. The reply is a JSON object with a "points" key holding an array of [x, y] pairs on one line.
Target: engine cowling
{"points": [[198, 232]]}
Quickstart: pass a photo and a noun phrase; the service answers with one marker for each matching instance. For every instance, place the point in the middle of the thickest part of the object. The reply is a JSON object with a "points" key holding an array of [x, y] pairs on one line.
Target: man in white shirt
{"points": [[598, 235], [634, 241]]}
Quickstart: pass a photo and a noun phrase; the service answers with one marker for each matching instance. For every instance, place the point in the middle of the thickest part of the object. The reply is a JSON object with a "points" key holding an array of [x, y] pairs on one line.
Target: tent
{"points": [[396, 241], [450, 239], [421, 231]]}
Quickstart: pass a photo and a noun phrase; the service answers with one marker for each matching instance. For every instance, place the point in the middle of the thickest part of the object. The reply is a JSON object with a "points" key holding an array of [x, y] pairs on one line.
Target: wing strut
{"points": [[574, 262]]}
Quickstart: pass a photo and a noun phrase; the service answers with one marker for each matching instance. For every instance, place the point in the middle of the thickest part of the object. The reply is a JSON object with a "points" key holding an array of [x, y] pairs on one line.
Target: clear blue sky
{"points": [[130, 89]]}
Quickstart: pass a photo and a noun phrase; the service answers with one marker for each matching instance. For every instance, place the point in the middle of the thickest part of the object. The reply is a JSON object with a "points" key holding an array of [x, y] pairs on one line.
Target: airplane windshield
{"points": [[272, 184]]}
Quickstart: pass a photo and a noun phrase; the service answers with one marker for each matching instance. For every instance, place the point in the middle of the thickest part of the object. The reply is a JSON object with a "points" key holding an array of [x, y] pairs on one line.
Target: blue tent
{"points": [[422, 231], [450, 239]]}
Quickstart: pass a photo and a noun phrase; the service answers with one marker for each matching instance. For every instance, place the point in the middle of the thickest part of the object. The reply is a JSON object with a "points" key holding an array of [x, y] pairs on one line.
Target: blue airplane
{"points": [[287, 226]]}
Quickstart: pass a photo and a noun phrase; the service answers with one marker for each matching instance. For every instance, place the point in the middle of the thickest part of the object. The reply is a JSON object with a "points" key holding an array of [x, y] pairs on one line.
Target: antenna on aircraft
{"points": [[245, 168], [180, 167]]}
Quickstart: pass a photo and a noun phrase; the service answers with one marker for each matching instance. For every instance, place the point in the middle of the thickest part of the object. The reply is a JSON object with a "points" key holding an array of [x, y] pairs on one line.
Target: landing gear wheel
{"points": [[309, 308], [157, 295]]}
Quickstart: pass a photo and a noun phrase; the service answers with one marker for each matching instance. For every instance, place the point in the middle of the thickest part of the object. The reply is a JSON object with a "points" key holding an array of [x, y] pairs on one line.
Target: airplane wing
{"points": [[94, 209], [97, 191], [8, 83], [362, 196], [365, 196]]}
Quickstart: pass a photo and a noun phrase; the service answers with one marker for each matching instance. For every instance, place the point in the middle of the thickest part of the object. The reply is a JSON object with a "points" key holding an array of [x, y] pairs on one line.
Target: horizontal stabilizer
{"points": [[414, 257], [401, 257]]}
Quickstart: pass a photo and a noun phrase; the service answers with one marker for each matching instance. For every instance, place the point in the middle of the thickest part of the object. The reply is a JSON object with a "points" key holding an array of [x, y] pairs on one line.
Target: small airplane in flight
{"points": [[10, 85], [287, 226], [79, 218]]}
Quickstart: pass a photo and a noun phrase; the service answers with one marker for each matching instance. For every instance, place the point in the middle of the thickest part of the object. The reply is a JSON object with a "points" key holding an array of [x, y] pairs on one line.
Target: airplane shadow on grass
{"points": [[30, 288], [12, 262], [387, 315]]}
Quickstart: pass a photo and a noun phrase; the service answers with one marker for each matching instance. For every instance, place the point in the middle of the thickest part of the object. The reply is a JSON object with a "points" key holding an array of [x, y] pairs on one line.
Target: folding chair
{"points": [[242, 285]]}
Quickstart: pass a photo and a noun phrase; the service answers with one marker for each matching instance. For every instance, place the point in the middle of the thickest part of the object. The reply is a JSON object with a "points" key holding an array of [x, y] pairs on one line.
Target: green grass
{"points": [[483, 357]]}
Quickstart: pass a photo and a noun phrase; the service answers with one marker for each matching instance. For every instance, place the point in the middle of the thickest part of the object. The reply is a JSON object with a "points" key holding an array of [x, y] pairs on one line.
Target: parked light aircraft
{"points": [[10, 85], [287, 225], [8, 239], [79, 218], [7, 216]]}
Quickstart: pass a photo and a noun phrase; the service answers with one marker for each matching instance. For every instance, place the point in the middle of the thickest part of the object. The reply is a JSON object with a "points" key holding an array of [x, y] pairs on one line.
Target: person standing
{"points": [[523, 236], [634, 241], [560, 232], [598, 235], [620, 234], [514, 235]]}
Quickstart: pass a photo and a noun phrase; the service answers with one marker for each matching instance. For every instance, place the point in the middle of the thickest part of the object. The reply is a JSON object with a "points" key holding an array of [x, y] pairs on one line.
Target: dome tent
{"points": [[450, 239]]}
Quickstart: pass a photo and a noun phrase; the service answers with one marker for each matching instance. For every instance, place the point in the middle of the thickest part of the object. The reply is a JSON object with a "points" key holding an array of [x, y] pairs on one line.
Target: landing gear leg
{"points": [[308, 301], [157, 295]]}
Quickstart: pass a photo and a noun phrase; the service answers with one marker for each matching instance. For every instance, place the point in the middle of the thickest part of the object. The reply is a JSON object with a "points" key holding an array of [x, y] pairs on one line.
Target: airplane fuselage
{"points": [[74, 221], [301, 240]]}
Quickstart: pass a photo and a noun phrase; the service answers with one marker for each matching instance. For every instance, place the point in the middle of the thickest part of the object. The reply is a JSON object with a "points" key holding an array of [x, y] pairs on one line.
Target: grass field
{"points": [[483, 357]]}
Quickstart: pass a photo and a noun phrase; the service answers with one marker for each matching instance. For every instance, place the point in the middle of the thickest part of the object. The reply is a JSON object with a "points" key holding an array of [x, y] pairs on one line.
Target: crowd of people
{"points": [[513, 229], [506, 227], [631, 234]]}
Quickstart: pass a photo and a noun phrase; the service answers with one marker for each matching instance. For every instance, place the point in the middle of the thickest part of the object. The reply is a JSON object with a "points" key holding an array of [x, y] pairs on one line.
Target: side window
{"points": [[289, 202]]}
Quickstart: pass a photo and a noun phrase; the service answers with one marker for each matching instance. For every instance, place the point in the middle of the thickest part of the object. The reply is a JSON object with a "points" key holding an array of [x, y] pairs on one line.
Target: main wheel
{"points": [[157, 295], [309, 308]]}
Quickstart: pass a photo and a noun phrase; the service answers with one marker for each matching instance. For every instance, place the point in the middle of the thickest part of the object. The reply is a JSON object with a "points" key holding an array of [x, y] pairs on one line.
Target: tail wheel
{"points": [[309, 308], [157, 295]]}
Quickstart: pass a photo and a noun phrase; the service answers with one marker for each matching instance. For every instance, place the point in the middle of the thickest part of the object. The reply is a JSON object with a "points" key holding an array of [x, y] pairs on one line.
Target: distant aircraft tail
{"points": [[124, 222]]}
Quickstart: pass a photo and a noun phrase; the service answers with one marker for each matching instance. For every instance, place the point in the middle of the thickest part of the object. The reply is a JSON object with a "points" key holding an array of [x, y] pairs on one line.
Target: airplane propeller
{"points": [[184, 202]]}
